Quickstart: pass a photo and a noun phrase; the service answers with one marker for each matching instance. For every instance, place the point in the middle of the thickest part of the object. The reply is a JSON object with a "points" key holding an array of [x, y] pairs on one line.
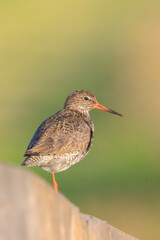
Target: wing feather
{"points": [[58, 136]]}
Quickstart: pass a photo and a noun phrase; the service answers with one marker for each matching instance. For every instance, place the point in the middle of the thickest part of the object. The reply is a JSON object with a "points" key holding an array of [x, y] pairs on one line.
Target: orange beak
{"points": [[101, 107]]}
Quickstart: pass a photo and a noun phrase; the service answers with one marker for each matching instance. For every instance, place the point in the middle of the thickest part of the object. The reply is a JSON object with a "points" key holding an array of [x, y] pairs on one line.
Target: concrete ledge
{"points": [[30, 210]]}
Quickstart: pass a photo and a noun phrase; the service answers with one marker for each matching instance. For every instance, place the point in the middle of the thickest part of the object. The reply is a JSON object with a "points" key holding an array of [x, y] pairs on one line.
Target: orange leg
{"points": [[55, 185]]}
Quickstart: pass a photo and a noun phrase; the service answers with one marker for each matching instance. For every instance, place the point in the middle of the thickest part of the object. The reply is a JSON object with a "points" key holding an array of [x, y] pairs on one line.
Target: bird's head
{"points": [[84, 101]]}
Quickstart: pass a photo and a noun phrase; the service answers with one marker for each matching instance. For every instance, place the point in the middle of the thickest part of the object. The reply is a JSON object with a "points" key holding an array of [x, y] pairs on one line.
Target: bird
{"points": [[66, 137]]}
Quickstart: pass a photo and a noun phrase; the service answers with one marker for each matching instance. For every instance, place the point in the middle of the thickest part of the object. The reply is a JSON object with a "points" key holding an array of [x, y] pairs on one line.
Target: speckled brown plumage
{"points": [[66, 137]]}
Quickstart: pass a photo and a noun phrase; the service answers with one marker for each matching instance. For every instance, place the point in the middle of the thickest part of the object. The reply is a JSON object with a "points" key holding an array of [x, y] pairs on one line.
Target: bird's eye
{"points": [[86, 98]]}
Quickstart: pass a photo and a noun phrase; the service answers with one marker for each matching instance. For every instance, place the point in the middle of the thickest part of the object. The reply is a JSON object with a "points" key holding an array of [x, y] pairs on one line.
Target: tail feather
{"points": [[28, 162], [23, 163]]}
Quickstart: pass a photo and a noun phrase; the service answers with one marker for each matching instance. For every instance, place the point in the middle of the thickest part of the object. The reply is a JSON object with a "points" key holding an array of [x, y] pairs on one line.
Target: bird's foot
{"points": [[55, 185]]}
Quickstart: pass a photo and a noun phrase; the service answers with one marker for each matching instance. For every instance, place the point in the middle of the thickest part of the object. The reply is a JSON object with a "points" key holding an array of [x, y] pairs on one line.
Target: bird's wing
{"points": [[64, 135], [41, 131]]}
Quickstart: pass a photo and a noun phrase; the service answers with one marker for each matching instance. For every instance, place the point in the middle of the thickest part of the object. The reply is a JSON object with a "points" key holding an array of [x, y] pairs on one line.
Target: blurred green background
{"points": [[49, 49]]}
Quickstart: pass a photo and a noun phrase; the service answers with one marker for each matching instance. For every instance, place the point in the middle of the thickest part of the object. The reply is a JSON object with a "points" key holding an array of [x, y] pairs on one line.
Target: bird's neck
{"points": [[80, 113]]}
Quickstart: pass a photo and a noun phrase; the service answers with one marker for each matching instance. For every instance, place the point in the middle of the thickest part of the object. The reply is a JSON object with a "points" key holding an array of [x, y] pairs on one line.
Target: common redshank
{"points": [[66, 137]]}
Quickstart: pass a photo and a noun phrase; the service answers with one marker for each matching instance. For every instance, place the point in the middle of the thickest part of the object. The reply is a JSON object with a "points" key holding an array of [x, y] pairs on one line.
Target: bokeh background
{"points": [[49, 49]]}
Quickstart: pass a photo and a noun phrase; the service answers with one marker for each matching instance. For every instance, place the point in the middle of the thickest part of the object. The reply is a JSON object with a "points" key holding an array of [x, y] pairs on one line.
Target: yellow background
{"points": [[48, 49]]}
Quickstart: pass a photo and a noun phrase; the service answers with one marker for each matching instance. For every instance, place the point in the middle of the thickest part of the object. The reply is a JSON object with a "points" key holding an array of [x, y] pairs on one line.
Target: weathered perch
{"points": [[30, 210]]}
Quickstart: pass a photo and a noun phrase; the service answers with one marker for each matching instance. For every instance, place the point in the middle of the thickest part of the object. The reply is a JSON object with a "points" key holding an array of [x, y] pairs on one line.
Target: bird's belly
{"points": [[61, 163]]}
